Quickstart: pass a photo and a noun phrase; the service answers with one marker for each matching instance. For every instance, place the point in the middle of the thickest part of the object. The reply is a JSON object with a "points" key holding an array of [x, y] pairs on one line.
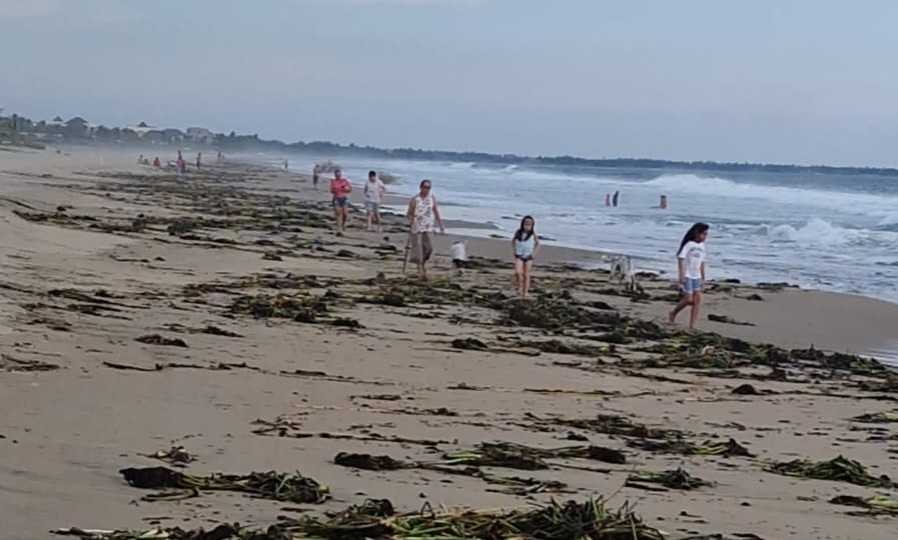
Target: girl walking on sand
{"points": [[691, 266], [524, 244]]}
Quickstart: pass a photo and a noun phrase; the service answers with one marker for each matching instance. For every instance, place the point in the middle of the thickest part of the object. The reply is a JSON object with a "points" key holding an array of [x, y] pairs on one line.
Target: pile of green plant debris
{"points": [[263, 306], [877, 505], [673, 479], [613, 424], [728, 448], [884, 417], [519, 456], [376, 520], [271, 485], [839, 469]]}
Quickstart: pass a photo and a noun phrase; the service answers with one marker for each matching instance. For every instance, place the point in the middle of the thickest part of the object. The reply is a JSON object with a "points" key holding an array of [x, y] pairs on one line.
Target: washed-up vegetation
{"points": [[377, 520], [270, 485], [872, 506], [673, 479], [839, 469]]}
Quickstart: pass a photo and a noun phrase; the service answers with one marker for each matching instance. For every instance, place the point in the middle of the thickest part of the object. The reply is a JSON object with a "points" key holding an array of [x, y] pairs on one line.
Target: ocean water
{"points": [[819, 231]]}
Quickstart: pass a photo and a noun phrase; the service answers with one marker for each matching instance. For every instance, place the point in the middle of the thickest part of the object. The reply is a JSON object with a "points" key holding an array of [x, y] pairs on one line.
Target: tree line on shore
{"points": [[16, 129]]}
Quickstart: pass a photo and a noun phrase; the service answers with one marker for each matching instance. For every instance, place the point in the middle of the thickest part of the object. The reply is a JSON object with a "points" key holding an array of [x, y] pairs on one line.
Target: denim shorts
{"points": [[372, 207], [692, 285], [340, 202]]}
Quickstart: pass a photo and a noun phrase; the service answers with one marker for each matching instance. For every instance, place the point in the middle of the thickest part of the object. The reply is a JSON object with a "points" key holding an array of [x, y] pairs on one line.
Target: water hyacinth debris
{"points": [[376, 520], [278, 486], [839, 469], [672, 479]]}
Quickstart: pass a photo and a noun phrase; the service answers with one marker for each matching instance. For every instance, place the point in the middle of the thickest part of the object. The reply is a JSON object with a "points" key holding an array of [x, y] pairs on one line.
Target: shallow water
{"points": [[820, 231]]}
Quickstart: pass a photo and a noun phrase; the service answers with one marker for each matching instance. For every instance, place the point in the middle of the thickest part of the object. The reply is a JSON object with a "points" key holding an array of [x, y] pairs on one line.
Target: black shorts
{"points": [[458, 263]]}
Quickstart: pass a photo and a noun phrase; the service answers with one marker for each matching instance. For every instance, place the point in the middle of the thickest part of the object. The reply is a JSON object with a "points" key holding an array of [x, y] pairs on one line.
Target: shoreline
{"points": [[824, 334], [144, 311]]}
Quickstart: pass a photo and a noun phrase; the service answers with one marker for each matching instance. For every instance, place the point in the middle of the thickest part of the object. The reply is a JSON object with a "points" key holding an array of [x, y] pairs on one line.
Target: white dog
{"points": [[459, 257], [624, 272]]}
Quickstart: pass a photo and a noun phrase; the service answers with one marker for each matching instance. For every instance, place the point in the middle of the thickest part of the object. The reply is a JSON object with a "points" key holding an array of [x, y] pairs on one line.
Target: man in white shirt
{"points": [[374, 193]]}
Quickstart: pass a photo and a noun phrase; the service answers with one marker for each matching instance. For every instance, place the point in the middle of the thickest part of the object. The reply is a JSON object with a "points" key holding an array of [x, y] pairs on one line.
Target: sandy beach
{"points": [[140, 311]]}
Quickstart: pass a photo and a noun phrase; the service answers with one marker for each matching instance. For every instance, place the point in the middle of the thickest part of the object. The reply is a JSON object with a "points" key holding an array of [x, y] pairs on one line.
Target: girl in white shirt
{"points": [[691, 266]]}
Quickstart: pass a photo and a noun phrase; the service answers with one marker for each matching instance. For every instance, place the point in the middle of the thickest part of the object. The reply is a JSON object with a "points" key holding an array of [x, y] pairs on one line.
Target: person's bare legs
{"points": [[519, 276], [337, 214], [684, 302], [370, 220], [422, 270], [525, 288], [696, 303], [380, 228]]}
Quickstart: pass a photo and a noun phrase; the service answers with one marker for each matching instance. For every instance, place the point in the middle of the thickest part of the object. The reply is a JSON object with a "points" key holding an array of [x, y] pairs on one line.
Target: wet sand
{"points": [[82, 398]]}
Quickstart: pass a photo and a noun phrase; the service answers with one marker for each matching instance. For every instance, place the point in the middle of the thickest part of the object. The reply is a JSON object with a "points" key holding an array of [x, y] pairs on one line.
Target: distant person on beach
{"points": [[607, 199], [423, 218], [524, 245], [614, 198], [340, 190], [220, 158], [157, 163], [691, 269], [316, 172], [374, 193], [286, 165], [199, 160], [663, 204], [180, 164]]}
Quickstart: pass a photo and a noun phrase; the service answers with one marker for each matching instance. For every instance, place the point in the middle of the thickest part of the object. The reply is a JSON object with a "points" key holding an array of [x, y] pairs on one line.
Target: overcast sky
{"points": [[797, 81]]}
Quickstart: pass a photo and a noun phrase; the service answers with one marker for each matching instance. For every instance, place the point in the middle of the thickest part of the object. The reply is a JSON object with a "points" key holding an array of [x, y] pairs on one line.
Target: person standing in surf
{"points": [[340, 190], [691, 266], [524, 245], [423, 218]]}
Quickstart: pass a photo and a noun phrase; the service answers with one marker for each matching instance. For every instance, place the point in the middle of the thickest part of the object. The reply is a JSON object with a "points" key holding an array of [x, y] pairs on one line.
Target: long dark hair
{"points": [[693, 233], [519, 235]]}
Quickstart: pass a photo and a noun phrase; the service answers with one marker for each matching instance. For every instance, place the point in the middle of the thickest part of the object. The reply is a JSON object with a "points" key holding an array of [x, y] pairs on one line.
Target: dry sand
{"points": [[65, 432]]}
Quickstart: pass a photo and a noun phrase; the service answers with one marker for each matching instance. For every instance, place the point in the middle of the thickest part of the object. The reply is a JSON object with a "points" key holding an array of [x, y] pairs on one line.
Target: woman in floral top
{"points": [[423, 217]]}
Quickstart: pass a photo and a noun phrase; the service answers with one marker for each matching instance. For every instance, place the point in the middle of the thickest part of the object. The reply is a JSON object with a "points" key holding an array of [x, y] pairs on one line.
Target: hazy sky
{"points": [[800, 81]]}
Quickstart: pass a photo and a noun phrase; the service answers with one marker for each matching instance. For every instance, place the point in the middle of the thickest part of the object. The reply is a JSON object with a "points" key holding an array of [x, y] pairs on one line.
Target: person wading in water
{"points": [[423, 218]]}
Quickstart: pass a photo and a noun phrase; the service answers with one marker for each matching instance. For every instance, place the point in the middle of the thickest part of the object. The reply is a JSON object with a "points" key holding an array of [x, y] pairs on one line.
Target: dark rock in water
{"points": [[345, 254], [731, 281], [368, 462], [746, 390], [469, 344], [571, 436], [156, 339], [755, 297]]}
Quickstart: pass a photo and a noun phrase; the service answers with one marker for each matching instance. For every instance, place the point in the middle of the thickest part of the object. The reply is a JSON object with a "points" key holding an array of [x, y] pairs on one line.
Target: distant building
{"points": [[203, 135], [140, 129], [172, 135], [79, 128]]}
